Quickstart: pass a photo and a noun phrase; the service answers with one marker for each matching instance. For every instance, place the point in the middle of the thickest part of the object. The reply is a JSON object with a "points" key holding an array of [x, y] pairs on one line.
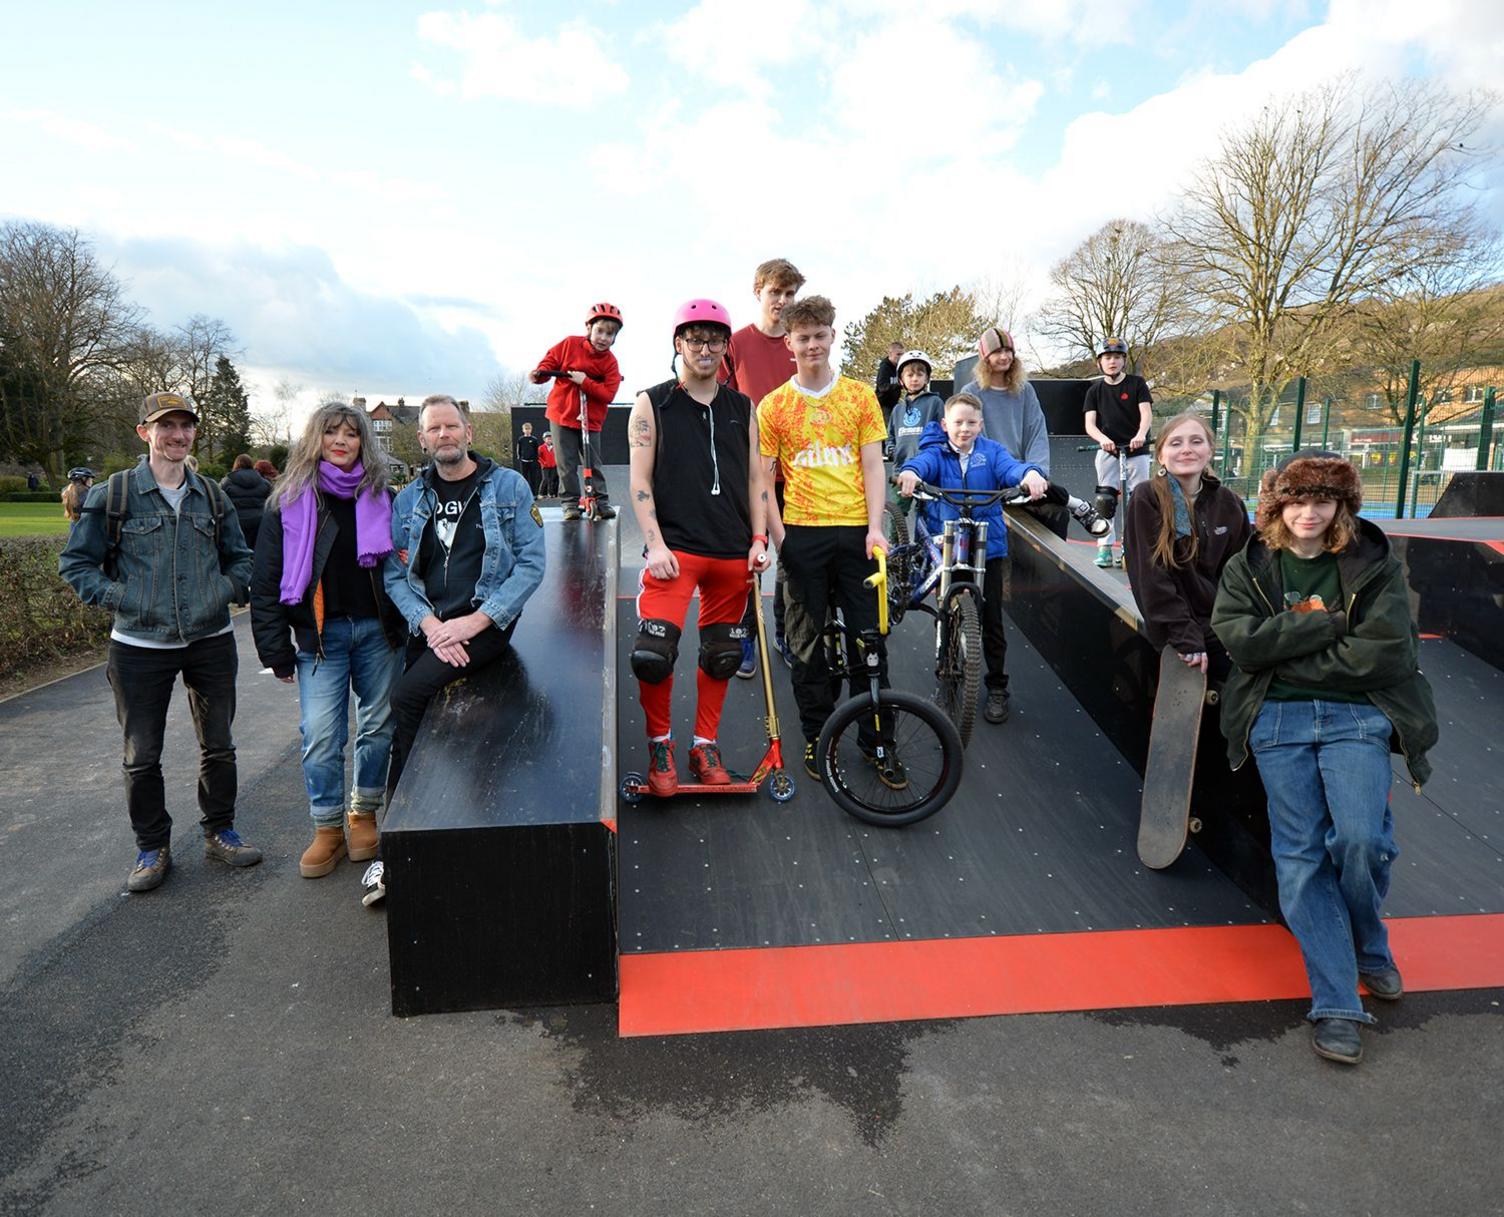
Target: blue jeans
{"points": [[356, 657], [1325, 767]]}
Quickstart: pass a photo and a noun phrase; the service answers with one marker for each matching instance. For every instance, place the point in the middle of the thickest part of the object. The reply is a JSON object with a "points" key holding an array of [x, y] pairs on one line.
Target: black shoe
{"points": [[1386, 985], [572, 512], [604, 511], [890, 770], [1337, 1039], [998, 706], [810, 767], [1087, 516], [151, 868]]}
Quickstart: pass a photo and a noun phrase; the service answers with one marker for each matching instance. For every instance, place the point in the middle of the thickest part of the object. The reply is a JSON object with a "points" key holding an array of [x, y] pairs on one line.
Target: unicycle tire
{"points": [[958, 666], [924, 739]]}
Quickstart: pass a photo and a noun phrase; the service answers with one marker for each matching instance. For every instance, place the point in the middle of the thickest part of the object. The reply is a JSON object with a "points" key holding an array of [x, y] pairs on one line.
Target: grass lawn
{"points": [[32, 519]]}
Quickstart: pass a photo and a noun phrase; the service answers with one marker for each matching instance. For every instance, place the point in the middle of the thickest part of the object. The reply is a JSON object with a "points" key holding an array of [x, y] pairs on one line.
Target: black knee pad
{"points": [[721, 649], [1106, 501], [655, 650]]}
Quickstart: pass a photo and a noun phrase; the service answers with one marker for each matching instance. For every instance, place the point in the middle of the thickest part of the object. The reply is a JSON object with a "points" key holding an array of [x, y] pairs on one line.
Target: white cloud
{"points": [[731, 43], [569, 68], [89, 136]]}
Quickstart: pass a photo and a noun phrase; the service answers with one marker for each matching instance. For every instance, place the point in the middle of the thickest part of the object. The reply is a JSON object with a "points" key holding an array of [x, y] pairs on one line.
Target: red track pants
{"points": [[723, 598]]}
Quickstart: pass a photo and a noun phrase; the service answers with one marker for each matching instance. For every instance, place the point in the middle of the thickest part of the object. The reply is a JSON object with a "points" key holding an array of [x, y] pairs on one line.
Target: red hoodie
{"points": [[602, 379]]}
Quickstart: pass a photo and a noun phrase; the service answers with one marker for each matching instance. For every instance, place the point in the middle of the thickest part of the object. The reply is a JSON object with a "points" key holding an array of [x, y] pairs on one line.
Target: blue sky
{"points": [[403, 198]]}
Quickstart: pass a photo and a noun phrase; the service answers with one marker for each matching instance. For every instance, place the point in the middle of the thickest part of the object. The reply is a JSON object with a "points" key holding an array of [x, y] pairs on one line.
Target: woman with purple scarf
{"points": [[321, 616]]}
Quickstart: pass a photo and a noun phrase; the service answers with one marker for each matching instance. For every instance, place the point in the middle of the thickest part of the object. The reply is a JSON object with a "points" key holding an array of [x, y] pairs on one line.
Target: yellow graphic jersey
{"points": [[818, 442]]}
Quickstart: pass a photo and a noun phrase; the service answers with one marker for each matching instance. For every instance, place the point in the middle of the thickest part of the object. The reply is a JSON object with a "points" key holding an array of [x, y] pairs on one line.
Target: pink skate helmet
{"points": [[701, 312]]}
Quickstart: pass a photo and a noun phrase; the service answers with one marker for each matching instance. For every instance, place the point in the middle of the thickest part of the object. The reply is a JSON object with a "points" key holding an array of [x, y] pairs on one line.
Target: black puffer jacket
{"points": [[282, 630], [248, 491]]}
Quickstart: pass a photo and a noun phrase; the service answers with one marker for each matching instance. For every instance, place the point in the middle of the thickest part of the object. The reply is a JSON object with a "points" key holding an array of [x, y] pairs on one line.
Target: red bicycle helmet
{"points": [[604, 312], [701, 312]]}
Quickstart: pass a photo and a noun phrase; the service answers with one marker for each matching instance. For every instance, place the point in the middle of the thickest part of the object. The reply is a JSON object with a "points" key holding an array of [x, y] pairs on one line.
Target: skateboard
{"points": [[1165, 816]]}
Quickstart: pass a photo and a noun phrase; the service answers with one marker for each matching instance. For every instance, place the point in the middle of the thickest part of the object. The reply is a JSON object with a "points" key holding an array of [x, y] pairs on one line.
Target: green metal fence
{"points": [[1407, 450]]}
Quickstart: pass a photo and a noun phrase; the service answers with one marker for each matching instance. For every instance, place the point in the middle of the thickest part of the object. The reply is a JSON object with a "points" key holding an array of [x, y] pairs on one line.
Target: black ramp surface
{"points": [[1040, 837]]}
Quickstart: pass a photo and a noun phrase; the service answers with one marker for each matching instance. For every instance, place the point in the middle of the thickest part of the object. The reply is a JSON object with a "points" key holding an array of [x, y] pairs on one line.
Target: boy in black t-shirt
{"points": [[1119, 409]]}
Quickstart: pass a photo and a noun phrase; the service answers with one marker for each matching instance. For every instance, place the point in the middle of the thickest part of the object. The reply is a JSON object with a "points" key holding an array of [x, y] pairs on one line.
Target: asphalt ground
{"points": [[224, 1045]]}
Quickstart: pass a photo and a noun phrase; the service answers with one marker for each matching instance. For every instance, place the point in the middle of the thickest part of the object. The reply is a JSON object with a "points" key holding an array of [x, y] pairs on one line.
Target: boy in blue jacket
{"points": [[957, 456]]}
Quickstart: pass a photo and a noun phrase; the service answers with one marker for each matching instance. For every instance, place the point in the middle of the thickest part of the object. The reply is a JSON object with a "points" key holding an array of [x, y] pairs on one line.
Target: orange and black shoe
{"points": [[663, 778], [705, 765]]}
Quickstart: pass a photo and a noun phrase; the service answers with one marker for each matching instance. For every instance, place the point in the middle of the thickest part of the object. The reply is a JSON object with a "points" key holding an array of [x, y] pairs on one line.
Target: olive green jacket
{"points": [[1370, 645]]}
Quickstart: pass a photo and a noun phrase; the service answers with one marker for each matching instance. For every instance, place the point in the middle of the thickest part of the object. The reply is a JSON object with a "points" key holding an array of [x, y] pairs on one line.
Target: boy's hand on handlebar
{"points": [[661, 562], [876, 540], [577, 377], [907, 481], [757, 557], [1135, 443], [1108, 447], [538, 376], [1034, 484]]}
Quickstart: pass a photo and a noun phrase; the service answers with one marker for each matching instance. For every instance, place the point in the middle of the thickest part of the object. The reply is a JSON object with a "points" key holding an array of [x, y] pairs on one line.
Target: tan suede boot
{"points": [[324, 854], [363, 835]]}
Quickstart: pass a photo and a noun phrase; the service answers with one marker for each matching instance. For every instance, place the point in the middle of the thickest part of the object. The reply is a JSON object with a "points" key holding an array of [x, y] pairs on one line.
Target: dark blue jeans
{"points": [[143, 679], [1325, 766]]}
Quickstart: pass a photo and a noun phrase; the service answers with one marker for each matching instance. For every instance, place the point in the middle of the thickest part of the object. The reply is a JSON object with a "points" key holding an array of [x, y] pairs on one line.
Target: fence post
{"points": [[1300, 413], [1486, 433], [1326, 425], [1216, 406], [1227, 445], [1420, 455], [1411, 396]]}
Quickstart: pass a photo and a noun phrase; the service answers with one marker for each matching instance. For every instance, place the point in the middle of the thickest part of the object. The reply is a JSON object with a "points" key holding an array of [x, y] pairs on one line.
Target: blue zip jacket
{"points": [[172, 583], [512, 568], [991, 468]]}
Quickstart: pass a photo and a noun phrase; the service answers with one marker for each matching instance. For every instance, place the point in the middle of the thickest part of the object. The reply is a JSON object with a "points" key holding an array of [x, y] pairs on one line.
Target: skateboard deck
{"points": [[1165, 815]]}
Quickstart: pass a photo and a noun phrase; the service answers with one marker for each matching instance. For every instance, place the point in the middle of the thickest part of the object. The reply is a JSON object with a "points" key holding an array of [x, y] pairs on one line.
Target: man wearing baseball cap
{"points": [[161, 548]]}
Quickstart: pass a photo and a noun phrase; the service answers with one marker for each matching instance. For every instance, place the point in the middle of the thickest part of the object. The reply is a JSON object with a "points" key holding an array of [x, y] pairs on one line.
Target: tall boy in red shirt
{"points": [[592, 368], [757, 362]]}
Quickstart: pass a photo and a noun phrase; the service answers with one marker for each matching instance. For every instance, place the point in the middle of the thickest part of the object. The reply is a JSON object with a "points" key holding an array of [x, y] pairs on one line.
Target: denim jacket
{"points": [[513, 566], [171, 584]]}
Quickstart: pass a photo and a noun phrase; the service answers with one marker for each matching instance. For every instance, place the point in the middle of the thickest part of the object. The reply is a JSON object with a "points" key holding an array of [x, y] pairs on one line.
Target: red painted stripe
{"points": [[678, 993]]}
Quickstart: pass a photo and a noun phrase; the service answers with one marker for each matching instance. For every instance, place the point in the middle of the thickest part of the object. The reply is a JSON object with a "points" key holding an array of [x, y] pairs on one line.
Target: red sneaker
{"points": [[663, 778], [705, 765]]}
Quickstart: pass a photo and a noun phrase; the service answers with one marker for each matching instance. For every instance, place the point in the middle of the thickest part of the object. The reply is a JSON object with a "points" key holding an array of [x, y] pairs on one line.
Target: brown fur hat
{"points": [[1308, 474]]}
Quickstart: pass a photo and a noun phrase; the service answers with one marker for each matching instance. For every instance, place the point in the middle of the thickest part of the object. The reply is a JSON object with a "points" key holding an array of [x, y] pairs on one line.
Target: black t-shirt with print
{"points": [[454, 545], [1117, 407], [1312, 585]]}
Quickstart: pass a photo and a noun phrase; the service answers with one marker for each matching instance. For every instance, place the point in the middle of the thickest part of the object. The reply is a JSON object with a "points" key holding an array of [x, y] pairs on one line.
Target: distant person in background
{"points": [[526, 451], [548, 469], [888, 387], [266, 469], [33, 483], [1118, 412], [74, 493], [247, 490]]}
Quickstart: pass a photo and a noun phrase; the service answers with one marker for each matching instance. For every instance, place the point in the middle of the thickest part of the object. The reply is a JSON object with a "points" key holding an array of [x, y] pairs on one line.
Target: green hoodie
{"points": [[1370, 646]]}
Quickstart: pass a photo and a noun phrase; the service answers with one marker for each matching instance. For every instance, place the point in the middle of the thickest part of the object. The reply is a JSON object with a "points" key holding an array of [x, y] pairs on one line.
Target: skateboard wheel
{"points": [[1213, 697], [631, 788], [1193, 824]]}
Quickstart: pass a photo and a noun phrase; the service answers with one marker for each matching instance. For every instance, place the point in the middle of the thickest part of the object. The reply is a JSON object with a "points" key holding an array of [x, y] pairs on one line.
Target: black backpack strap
{"points": [[117, 494], [218, 501]]}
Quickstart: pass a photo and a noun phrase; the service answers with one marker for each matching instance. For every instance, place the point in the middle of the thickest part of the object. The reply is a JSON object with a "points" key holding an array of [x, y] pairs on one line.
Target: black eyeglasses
{"points": [[703, 344]]}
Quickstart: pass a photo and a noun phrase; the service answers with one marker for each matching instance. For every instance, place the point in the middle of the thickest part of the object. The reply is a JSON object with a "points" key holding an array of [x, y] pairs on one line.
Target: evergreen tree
{"points": [[224, 415]]}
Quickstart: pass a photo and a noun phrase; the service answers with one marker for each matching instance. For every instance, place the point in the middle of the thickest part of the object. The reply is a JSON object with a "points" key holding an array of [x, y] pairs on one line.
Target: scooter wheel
{"points": [[781, 787], [631, 789]]}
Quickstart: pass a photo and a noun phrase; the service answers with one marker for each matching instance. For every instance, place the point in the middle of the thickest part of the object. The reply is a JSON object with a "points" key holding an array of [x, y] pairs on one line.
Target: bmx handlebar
{"points": [[880, 582], [968, 498]]}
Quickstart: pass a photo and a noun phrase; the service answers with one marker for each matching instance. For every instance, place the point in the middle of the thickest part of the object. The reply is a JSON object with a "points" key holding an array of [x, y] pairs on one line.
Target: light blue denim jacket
{"points": [[513, 565], [171, 583]]}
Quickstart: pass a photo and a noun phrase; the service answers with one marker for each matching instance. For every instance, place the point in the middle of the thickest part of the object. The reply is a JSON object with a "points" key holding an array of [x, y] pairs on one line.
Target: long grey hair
{"points": [[303, 460]]}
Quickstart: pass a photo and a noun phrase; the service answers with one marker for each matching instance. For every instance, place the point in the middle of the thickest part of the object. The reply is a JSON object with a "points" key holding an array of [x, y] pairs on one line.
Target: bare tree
{"points": [[1317, 204], [272, 424], [64, 319], [1115, 284]]}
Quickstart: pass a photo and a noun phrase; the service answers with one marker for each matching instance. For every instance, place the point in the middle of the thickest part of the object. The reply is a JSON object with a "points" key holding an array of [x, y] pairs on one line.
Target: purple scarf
{"points": [[373, 527]]}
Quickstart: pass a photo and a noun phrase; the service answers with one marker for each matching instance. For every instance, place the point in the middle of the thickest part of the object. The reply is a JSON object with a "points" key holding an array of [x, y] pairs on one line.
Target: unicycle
{"points": [[885, 756]]}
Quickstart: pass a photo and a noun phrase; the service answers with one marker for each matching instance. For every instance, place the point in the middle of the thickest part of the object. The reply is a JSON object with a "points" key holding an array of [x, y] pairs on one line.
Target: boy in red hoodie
{"points": [[592, 368]]}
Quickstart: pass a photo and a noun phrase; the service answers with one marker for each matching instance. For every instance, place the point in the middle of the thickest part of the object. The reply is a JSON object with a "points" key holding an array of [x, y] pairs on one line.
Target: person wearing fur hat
{"points": [[1315, 614]]}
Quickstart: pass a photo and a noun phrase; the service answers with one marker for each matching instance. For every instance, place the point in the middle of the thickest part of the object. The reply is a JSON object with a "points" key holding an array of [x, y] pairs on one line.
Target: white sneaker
{"points": [[374, 883]]}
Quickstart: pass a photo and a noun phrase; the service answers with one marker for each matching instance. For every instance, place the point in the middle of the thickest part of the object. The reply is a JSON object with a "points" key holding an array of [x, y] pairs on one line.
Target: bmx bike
{"points": [[885, 756], [953, 568]]}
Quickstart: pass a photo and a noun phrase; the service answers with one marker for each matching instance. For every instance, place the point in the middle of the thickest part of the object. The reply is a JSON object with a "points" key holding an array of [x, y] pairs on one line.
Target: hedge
{"points": [[40, 616], [32, 496]]}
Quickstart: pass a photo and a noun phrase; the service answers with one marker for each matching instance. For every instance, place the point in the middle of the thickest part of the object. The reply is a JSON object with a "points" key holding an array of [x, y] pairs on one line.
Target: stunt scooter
{"points": [[591, 506], [781, 784]]}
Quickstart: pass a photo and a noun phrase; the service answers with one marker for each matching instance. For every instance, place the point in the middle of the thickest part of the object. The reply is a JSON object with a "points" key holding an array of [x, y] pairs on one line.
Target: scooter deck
{"points": [[1165, 813], [702, 788]]}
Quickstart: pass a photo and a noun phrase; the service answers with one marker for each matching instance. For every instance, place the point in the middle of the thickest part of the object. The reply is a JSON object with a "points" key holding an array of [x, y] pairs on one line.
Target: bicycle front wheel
{"points": [[958, 662], [892, 764]]}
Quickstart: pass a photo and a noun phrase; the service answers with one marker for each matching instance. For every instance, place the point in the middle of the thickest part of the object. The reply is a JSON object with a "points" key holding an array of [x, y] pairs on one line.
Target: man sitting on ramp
{"points": [[699, 496]]}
